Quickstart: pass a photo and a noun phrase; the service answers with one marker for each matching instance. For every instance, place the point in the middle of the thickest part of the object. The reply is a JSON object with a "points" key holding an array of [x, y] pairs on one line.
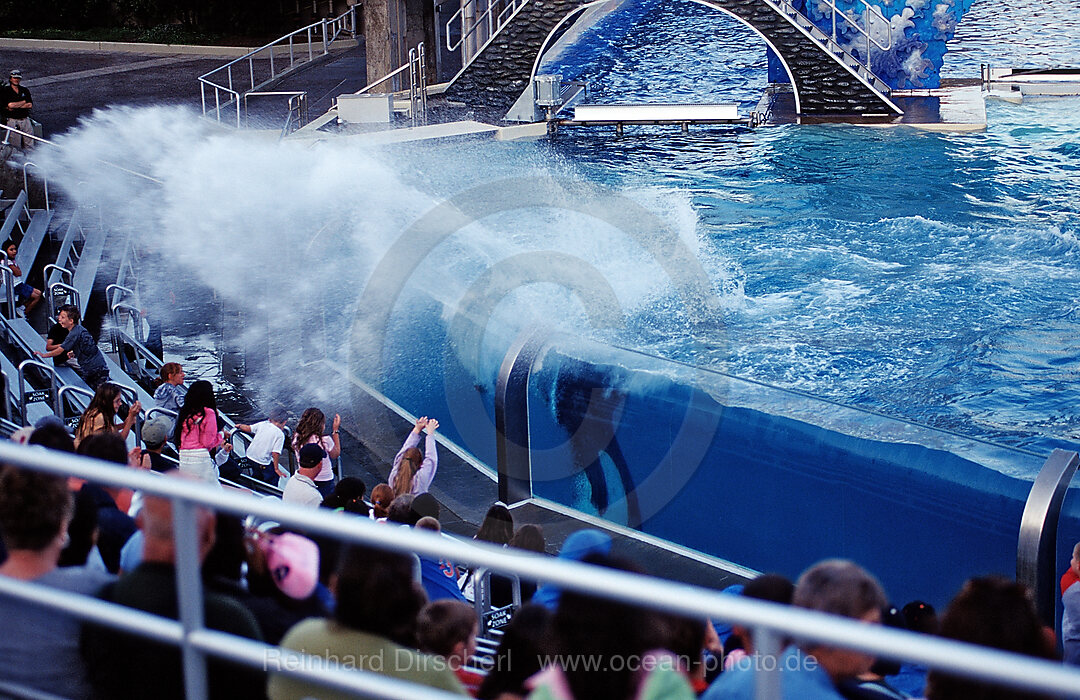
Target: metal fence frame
{"points": [[769, 622]]}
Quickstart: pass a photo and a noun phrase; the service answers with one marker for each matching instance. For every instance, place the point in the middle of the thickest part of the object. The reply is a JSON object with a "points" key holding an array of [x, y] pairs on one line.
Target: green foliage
{"points": [[156, 17]]}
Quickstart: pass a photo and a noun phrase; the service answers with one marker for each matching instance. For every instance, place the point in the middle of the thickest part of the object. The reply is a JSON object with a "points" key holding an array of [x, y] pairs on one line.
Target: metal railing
{"points": [[869, 14], [389, 76], [44, 181], [297, 104], [769, 622], [417, 86], [477, 31], [261, 67]]}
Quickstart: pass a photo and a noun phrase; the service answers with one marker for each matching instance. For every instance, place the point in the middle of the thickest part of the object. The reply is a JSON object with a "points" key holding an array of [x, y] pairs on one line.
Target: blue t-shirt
{"points": [[86, 351], [40, 646], [439, 578], [801, 678]]}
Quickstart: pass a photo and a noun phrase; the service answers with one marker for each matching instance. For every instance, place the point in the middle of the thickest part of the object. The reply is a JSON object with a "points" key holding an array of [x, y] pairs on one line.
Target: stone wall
{"points": [[501, 73]]}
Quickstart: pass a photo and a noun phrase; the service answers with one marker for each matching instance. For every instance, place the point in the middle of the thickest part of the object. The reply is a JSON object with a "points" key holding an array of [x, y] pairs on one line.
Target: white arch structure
{"points": [[581, 8]]}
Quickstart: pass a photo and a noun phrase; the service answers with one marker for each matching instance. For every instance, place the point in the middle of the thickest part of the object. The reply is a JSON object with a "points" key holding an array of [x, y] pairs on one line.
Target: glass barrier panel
{"points": [[772, 479]]}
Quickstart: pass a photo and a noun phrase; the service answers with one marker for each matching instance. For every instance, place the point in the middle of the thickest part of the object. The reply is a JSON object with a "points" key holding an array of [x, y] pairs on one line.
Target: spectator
{"points": [[685, 638], [771, 587], [100, 415], [197, 432], [530, 538], [169, 392], [610, 634], [53, 339], [16, 103], [348, 496], [282, 577], [524, 644], [155, 433], [413, 471], [447, 628], [265, 448], [911, 678], [1070, 616], [497, 526], [123, 666], [25, 295], [810, 671], [310, 431], [381, 498], [301, 488], [993, 612], [437, 575], [576, 547], [873, 685], [79, 345], [51, 432], [401, 511], [39, 647], [374, 624], [115, 527]]}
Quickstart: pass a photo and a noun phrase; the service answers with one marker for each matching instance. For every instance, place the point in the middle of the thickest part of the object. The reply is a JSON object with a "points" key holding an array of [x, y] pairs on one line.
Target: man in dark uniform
{"points": [[15, 103]]}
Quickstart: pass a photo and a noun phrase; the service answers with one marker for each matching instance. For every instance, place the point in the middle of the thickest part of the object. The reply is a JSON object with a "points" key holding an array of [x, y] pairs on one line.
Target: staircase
{"points": [[828, 80]]}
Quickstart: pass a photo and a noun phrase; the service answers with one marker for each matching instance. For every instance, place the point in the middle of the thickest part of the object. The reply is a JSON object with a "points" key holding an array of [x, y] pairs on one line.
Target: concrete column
{"points": [[378, 46], [420, 29]]}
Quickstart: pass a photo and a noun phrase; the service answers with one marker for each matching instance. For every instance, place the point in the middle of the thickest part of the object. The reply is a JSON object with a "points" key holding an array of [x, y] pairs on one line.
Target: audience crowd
{"points": [[411, 617]]}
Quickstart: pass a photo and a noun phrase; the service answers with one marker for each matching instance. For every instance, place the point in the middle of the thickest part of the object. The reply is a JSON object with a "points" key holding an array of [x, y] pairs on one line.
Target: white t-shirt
{"points": [[268, 439], [300, 489]]}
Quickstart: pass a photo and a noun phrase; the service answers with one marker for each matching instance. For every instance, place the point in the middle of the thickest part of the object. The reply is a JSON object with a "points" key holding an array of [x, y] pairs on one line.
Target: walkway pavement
{"points": [[68, 84]]}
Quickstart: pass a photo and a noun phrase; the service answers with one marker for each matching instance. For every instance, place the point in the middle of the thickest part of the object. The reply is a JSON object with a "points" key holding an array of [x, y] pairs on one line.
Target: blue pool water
{"points": [[933, 277]]}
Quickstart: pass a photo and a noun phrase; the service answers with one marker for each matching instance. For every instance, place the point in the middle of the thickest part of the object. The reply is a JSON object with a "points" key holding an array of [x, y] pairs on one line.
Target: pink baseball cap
{"points": [[293, 561]]}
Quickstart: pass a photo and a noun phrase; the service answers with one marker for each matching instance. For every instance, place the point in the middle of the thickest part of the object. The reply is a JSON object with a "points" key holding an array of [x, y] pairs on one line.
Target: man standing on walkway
{"points": [[15, 103]]}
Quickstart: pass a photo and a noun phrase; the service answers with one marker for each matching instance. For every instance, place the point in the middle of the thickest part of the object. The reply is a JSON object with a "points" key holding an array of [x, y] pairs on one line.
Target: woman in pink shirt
{"points": [[197, 432], [310, 430]]}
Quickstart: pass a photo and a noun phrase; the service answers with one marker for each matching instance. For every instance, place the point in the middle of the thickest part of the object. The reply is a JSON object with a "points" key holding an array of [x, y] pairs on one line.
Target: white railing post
{"points": [[189, 594], [325, 38]]}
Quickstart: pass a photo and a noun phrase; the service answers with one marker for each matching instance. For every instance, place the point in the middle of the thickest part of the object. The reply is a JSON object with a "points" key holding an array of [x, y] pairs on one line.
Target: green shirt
{"points": [[354, 649]]}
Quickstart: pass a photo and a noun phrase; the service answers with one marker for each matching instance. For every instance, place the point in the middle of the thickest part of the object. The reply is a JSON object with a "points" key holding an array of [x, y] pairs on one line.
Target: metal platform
{"points": [[1064, 82], [620, 115]]}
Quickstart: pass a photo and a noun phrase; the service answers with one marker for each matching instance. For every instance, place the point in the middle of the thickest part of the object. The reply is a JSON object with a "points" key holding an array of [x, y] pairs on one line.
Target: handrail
{"points": [[70, 389], [327, 29], [118, 288], [44, 180], [494, 26], [417, 85], [7, 278], [54, 384], [76, 300], [62, 271], [297, 103], [383, 79], [765, 619], [1036, 552], [867, 8]]}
